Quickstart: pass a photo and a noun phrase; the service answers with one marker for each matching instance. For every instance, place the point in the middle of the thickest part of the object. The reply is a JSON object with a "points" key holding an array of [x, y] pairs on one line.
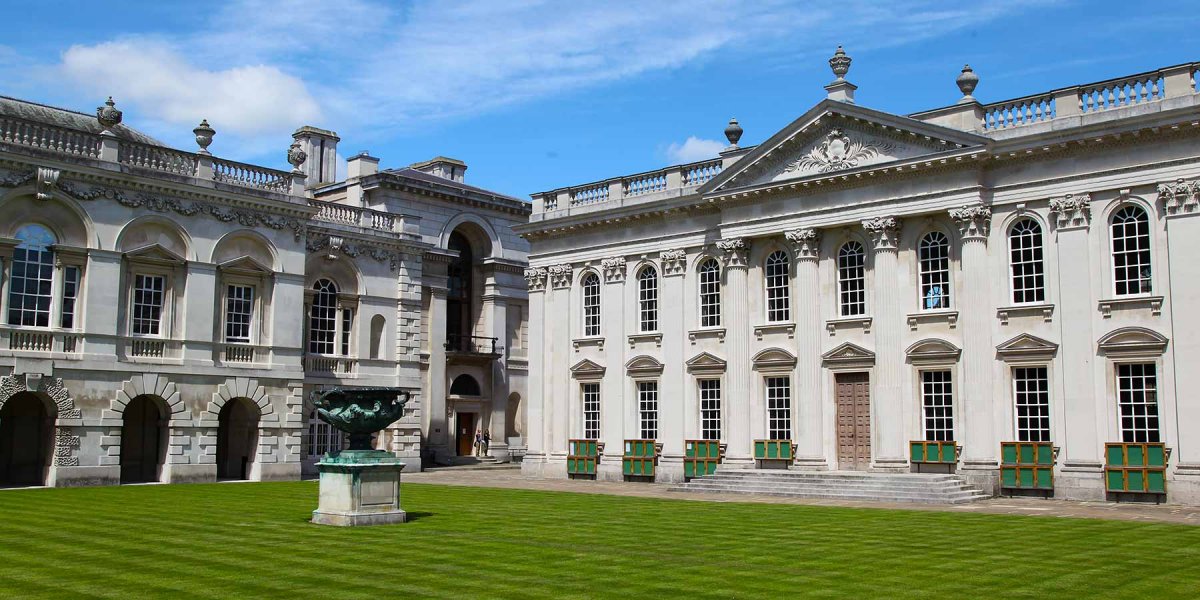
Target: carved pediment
{"points": [[705, 363], [643, 365], [1132, 340], [932, 350], [586, 369], [834, 137], [774, 358], [244, 264], [1027, 346], [848, 353], [155, 253]]}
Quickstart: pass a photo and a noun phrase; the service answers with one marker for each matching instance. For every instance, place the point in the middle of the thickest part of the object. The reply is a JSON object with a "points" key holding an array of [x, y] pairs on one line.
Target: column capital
{"points": [[736, 251], [974, 222], [1073, 212], [1179, 196], [806, 242], [674, 262], [536, 279], [884, 232], [560, 275], [614, 269]]}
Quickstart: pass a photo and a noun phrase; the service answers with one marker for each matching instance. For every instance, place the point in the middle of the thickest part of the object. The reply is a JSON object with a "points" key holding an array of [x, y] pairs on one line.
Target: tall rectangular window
{"points": [[648, 299], [591, 411], [591, 305], [347, 322], [1031, 392], [148, 293], [934, 251], [710, 293], [1137, 400], [30, 289], [1131, 251], [648, 409], [937, 401], [778, 298], [1025, 260], [852, 280], [70, 294], [710, 409], [239, 306], [779, 408]]}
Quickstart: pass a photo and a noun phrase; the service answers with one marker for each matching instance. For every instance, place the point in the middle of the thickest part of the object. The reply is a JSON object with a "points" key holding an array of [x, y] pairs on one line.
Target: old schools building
{"points": [[1005, 291], [165, 314]]}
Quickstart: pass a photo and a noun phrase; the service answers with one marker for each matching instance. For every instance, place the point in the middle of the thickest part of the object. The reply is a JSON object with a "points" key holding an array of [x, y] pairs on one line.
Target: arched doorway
{"points": [[237, 439], [143, 440], [459, 284], [25, 440]]}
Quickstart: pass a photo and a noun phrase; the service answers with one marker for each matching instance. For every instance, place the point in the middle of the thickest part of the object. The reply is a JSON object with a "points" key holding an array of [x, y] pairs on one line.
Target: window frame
{"points": [[647, 407], [590, 303], [843, 280], [771, 413], [334, 316], [584, 400], [648, 299], [948, 406], [1022, 433], [1152, 435], [925, 274], [54, 281], [1038, 263], [251, 314], [709, 300], [780, 284], [165, 310], [1148, 280], [709, 416]]}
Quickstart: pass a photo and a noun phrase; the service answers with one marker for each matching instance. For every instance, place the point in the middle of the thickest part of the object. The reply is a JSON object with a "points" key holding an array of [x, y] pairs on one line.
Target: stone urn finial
{"points": [[733, 133], [204, 135], [296, 156], [967, 80], [840, 63], [108, 115]]}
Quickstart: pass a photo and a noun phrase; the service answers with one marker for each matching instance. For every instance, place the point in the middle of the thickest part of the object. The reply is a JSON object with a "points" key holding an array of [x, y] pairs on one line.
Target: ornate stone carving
{"points": [[884, 232], [839, 151], [806, 242], [536, 279], [204, 135], [733, 133], [674, 262], [839, 63], [51, 387], [333, 244], [967, 81], [974, 222], [47, 180], [65, 444], [736, 252], [108, 115], [1179, 196], [1072, 210], [296, 156], [614, 269], [560, 275], [13, 179]]}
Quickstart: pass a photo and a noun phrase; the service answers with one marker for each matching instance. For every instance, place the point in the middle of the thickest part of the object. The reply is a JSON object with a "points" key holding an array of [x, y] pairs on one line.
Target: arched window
{"points": [[591, 305], [1131, 251], [778, 296], [648, 299], [322, 321], [1025, 259], [934, 251], [710, 293], [31, 288], [458, 296], [852, 280], [465, 385]]}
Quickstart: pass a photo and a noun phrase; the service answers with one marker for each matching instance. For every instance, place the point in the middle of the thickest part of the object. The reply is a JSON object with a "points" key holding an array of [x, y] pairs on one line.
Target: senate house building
{"points": [[165, 314], [1002, 293]]}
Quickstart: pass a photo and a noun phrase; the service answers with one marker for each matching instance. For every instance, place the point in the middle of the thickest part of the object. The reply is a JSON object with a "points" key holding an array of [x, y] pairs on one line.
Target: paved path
{"points": [[513, 479]]}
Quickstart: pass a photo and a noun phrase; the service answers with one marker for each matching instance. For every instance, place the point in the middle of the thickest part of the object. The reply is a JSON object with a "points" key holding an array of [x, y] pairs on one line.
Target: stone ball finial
{"points": [[108, 115], [840, 63], [733, 133], [204, 135], [296, 156], [967, 80]]}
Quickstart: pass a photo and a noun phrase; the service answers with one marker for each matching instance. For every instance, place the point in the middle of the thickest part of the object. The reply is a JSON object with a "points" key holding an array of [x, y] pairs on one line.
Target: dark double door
{"points": [[143, 441], [25, 441], [853, 421]]}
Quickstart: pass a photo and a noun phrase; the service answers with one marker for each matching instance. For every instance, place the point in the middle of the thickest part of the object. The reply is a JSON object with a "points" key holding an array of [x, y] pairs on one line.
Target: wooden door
{"points": [[23, 441], [465, 430], [854, 421]]}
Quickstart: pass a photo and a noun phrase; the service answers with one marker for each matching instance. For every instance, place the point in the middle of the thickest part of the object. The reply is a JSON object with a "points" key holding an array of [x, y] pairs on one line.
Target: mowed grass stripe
{"points": [[254, 540]]}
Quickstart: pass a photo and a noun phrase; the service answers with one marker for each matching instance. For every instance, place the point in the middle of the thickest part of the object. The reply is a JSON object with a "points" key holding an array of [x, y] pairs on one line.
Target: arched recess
{"points": [[246, 244], [340, 270], [70, 224], [773, 358], [144, 439], [465, 385], [377, 324], [60, 411], [932, 350], [155, 231], [484, 241], [26, 439], [237, 439], [514, 417]]}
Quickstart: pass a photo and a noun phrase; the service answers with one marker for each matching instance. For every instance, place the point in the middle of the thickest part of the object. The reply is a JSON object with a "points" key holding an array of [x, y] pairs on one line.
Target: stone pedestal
{"points": [[359, 487]]}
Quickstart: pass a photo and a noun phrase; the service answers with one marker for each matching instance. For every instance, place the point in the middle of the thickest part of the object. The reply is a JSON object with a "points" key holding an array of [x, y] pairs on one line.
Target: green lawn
{"points": [[247, 540]]}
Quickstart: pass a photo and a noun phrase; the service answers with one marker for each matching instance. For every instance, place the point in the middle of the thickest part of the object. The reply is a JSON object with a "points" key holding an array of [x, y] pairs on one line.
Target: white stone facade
{"points": [[165, 315], [963, 265]]}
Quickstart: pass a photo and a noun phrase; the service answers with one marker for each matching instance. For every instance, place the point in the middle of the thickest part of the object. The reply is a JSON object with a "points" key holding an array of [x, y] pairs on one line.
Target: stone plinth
{"points": [[359, 487]]}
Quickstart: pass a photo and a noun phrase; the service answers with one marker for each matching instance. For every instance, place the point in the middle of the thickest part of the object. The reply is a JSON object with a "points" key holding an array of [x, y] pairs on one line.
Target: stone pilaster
{"points": [[739, 378], [613, 390], [558, 325], [978, 427], [807, 294], [672, 323], [440, 438], [535, 436], [1181, 201], [887, 395]]}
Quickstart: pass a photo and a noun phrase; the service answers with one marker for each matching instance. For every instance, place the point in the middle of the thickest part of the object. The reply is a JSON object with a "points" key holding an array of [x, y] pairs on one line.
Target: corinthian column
{"points": [[887, 395], [809, 446], [535, 429], [978, 427], [737, 338]]}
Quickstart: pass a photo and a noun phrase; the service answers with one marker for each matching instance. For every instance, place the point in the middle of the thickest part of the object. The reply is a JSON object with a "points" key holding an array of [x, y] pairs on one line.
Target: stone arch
{"points": [[239, 433], [773, 359], [484, 241], [59, 403], [155, 230], [240, 387], [465, 385], [150, 384], [341, 270], [60, 214], [246, 243]]}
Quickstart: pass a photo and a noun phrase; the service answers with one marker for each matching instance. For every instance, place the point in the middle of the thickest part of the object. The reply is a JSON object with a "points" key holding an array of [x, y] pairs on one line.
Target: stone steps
{"points": [[881, 487]]}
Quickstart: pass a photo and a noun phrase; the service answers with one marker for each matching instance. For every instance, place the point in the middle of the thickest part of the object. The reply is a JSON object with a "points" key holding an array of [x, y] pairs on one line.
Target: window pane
{"points": [[591, 411], [937, 400], [852, 280], [1131, 251], [147, 304], [778, 297], [32, 275], [1137, 400], [779, 408], [648, 409], [710, 293], [1025, 258], [934, 253], [591, 305], [322, 320], [239, 306], [1031, 391], [648, 299], [710, 409]]}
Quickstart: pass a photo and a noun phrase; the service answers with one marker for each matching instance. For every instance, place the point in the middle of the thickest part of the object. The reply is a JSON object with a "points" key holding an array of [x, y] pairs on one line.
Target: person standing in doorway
{"points": [[478, 443], [487, 441]]}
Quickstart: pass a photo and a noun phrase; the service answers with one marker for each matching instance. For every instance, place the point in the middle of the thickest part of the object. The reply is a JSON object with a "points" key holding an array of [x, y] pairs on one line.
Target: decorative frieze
{"points": [[560, 275], [736, 252], [884, 232], [47, 180], [1179, 196], [333, 244], [974, 222], [535, 279], [614, 269], [806, 242], [1072, 211], [674, 262]]}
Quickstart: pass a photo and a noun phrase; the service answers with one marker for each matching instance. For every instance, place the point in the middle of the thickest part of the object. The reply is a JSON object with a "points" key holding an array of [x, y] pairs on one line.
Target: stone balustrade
{"points": [[649, 184], [20, 132], [41, 342], [342, 214], [157, 158], [251, 176]]}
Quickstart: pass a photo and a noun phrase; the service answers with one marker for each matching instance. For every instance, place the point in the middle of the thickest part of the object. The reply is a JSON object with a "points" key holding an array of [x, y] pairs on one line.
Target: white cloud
{"points": [[693, 149]]}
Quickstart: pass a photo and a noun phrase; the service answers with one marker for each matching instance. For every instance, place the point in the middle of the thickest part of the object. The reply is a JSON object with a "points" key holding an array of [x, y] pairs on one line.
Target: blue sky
{"points": [[539, 94]]}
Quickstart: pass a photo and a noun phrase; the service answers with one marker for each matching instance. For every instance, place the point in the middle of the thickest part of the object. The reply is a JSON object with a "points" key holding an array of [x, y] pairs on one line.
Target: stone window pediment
{"points": [[932, 350], [643, 366], [705, 363], [848, 354], [586, 369], [1026, 346], [1132, 341], [774, 359], [155, 254], [244, 265]]}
